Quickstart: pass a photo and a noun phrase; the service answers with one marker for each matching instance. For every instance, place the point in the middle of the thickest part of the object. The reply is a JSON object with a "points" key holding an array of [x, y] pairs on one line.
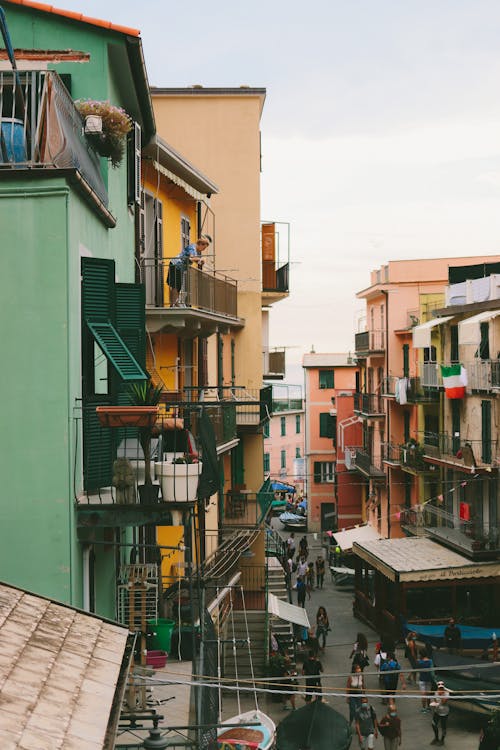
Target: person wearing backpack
{"points": [[392, 674]]}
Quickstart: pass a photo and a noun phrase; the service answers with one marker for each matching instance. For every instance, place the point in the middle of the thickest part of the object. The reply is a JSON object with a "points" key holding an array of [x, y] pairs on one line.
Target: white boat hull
{"points": [[267, 728]]}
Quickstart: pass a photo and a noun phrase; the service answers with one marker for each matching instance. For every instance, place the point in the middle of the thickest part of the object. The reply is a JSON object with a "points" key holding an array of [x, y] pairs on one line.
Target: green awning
{"points": [[116, 351]]}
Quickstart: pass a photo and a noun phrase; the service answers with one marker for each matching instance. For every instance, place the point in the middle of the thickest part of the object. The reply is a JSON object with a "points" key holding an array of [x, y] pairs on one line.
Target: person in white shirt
{"points": [[440, 711]]}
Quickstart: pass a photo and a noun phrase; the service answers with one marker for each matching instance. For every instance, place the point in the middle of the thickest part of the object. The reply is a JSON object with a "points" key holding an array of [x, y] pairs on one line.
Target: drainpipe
{"points": [[388, 417], [86, 578]]}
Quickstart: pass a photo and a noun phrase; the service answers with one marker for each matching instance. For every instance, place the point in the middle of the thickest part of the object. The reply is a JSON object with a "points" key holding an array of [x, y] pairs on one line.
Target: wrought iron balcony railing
{"points": [[455, 450], [474, 537], [369, 404], [41, 127], [202, 289], [368, 342], [361, 460]]}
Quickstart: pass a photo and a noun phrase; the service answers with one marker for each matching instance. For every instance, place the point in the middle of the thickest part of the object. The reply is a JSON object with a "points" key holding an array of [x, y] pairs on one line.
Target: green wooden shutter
{"points": [[98, 450], [317, 472], [486, 431], [326, 425], [237, 465], [484, 346], [454, 343], [116, 351], [406, 426], [158, 233], [131, 319], [406, 361], [455, 425], [98, 289]]}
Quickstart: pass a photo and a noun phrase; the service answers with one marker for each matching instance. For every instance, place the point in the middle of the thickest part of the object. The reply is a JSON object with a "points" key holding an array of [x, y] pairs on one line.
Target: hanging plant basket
{"points": [[115, 123], [127, 416]]}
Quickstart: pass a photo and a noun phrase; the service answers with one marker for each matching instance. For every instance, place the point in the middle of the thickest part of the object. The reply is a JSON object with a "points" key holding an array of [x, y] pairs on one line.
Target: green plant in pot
{"points": [[146, 394], [106, 126]]}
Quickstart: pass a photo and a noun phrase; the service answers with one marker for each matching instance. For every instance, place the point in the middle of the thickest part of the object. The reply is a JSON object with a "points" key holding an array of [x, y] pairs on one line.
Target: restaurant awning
{"points": [[422, 334], [287, 611], [345, 539], [420, 559], [469, 330]]}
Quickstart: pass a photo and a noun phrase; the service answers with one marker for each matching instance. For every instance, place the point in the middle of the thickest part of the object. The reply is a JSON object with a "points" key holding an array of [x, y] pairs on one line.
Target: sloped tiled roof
{"points": [[59, 673], [45, 8]]}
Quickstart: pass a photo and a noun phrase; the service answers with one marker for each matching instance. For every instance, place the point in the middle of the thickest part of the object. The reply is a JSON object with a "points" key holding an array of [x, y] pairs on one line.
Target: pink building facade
{"points": [[284, 437], [333, 492]]}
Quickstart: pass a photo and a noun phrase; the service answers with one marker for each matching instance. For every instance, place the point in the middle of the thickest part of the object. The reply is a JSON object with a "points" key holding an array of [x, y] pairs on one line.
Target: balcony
{"points": [[475, 539], [454, 451], [482, 375], [246, 509], [206, 301], [360, 460], [389, 386], [368, 405], [275, 238], [391, 454], [369, 343], [273, 363], [287, 398], [47, 133], [417, 393]]}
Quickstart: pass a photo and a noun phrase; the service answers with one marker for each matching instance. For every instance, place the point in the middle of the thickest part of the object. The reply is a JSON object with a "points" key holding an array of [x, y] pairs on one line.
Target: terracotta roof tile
{"points": [[76, 16]]}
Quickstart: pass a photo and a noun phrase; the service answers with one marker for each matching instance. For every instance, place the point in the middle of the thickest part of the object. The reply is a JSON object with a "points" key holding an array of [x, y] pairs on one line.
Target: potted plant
{"points": [[146, 394], [106, 126], [179, 478]]}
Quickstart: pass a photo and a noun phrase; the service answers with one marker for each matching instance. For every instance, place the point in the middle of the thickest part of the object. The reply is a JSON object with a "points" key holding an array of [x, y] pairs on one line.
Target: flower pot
{"points": [[179, 482], [127, 416]]}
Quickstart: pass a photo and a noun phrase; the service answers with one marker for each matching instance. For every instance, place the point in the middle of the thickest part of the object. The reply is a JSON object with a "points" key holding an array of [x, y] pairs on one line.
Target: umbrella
{"points": [[316, 726], [282, 487]]}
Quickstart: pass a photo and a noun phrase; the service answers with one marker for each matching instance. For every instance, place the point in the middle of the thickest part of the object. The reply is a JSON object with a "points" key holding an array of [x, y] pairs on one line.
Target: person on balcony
{"points": [[179, 265]]}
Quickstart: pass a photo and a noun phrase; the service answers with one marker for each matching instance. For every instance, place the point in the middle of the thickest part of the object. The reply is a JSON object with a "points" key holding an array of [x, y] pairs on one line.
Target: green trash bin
{"points": [[160, 634]]}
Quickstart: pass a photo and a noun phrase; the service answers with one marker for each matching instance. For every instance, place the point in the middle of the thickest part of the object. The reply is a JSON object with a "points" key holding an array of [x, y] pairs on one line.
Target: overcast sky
{"points": [[381, 130]]}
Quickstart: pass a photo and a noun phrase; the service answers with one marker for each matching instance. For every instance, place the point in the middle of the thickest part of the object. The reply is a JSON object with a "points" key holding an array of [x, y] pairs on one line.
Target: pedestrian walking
{"points": [[440, 712], [290, 684], [312, 669], [425, 665], [411, 655], [355, 688], [320, 571], [360, 651], [302, 568], [452, 637], [392, 675], [301, 592], [310, 579], [389, 727], [366, 725], [290, 543], [322, 626], [303, 548]]}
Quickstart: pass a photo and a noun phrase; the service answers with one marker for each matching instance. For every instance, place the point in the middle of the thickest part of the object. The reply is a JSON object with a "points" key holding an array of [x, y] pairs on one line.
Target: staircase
{"points": [[256, 633], [281, 628]]}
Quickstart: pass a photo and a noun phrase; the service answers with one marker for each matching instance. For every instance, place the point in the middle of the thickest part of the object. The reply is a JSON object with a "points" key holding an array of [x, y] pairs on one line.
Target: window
{"points": [[406, 361], [297, 424], [484, 346], [266, 429], [326, 425], [323, 472], [283, 459], [283, 426], [326, 379], [297, 452], [267, 463], [185, 232]]}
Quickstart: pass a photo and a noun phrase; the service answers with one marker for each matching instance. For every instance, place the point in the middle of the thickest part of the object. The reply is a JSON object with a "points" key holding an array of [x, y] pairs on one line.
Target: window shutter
{"points": [[317, 472], [326, 425], [486, 431], [134, 165], [454, 344], [158, 214], [131, 319], [98, 450], [484, 346], [98, 289], [406, 361]]}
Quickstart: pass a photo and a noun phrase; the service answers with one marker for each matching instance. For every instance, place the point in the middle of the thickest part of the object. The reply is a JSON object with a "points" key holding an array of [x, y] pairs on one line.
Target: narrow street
{"points": [[463, 728]]}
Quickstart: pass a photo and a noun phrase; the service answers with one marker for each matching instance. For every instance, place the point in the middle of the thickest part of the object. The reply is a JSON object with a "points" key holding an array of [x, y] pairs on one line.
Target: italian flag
{"points": [[454, 380]]}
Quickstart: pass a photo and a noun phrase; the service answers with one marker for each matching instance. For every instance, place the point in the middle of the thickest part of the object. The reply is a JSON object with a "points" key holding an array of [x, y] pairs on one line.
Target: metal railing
{"points": [[41, 127], [473, 535], [391, 452], [361, 459], [246, 509], [389, 385], [417, 393], [201, 289], [368, 403], [483, 374], [431, 375], [456, 449], [370, 341], [275, 277]]}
